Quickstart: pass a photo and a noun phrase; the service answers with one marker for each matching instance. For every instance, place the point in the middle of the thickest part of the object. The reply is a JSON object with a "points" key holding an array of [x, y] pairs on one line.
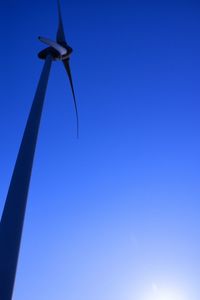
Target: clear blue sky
{"points": [[115, 214]]}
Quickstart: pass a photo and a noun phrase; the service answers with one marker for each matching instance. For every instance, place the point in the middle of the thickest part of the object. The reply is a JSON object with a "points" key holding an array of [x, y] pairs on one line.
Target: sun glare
{"points": [[160, 293]]}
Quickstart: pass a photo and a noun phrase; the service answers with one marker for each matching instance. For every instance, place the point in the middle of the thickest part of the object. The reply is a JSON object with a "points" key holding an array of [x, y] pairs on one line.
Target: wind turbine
{"points": [[11, 224]]}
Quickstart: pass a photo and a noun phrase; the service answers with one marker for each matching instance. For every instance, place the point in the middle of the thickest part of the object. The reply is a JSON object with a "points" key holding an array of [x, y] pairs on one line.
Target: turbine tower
{"points": [[11, 224]]}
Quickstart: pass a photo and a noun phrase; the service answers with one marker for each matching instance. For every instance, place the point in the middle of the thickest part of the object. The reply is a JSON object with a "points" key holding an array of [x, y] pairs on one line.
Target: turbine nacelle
{"points": [[55, 49]]}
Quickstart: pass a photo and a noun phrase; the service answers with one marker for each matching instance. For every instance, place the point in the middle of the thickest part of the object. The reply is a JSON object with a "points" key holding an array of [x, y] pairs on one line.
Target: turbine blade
{"points": [[12, 219], [67, 67], [60, 33], [61, 50]]}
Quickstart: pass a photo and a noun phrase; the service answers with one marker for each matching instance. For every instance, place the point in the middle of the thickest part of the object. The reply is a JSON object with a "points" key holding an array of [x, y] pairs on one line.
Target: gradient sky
{"points": [[114, 215]]}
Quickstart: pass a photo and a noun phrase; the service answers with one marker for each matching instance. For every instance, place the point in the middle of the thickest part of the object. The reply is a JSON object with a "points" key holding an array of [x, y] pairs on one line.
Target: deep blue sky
{"points": [[115, 214]]}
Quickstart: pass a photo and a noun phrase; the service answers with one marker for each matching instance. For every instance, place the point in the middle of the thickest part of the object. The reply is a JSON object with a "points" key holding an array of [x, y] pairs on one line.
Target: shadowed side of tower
{"points": [[12, 219]]}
